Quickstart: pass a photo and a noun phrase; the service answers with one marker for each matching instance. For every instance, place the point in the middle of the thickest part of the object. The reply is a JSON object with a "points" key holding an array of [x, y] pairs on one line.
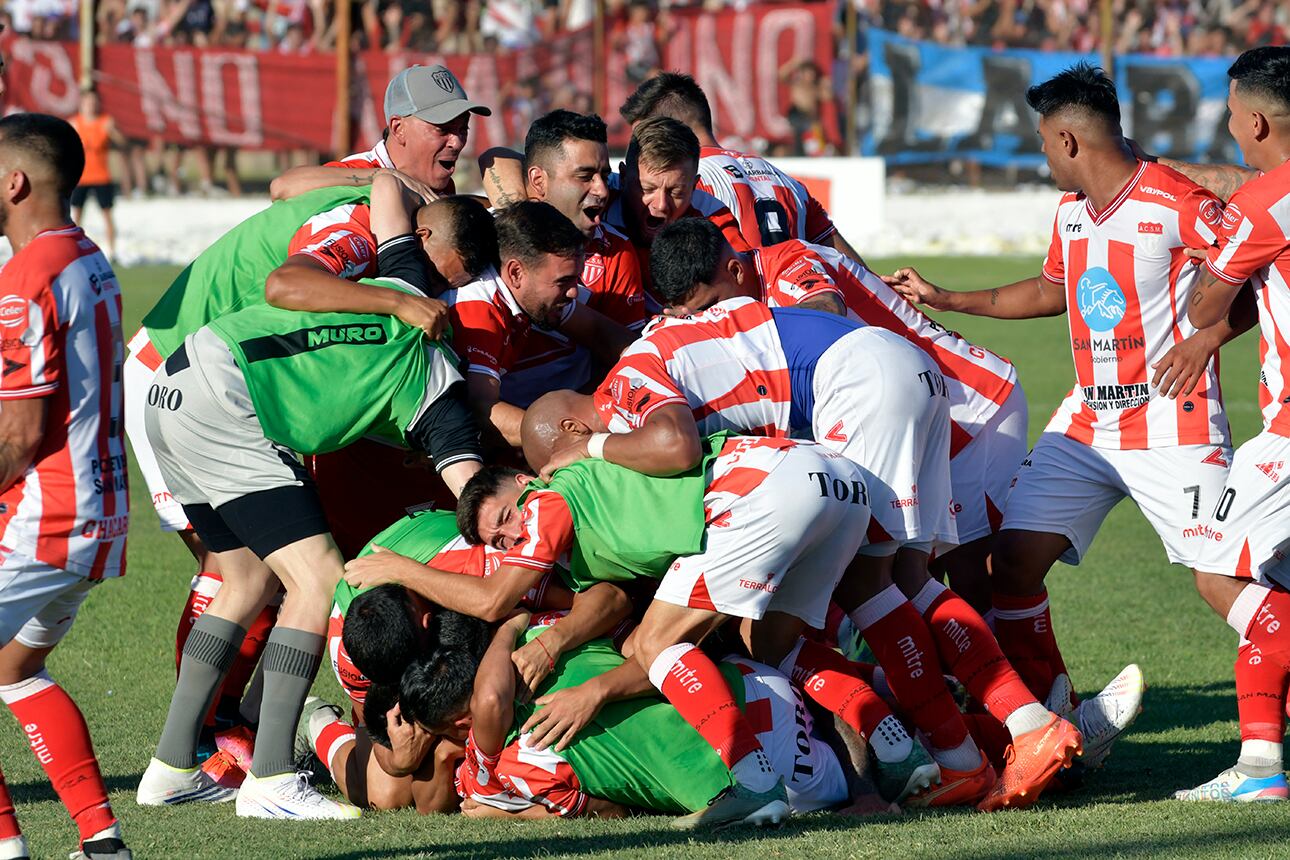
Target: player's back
{"points": [[61, 316], [770, 206]]}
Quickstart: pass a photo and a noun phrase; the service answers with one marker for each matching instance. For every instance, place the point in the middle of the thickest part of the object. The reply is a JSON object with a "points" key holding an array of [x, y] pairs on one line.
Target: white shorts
{"points": [[809, 766], [1248, 534], [883, 404], [780, 548], [982, 471], [1066, 487], [38, 603], [140, 366]]}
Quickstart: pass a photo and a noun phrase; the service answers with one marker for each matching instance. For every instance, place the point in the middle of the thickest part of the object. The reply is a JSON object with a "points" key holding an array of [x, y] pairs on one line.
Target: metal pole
{"points": [[1108, 39], [343, 65], [87, 45], [852, 129], [599, 72]]}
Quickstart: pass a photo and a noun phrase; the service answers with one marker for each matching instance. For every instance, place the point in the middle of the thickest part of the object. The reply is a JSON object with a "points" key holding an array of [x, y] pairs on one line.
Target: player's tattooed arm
{"points": [[502, 170], [1221, 179], [1210, 300], [310, 177], [829, 303], [22, 426]]}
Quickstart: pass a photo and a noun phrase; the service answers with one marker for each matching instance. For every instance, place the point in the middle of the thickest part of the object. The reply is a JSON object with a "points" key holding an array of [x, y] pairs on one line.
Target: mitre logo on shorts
{"points": [[13, 312], [1101, 301]]}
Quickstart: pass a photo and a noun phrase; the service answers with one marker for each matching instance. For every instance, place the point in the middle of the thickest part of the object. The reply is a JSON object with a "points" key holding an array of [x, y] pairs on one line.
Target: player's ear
{"points": [[1262, 128], [574, 427], [523, 480], [537, 181], [396, 128], [1069, 143], [513, 273]]}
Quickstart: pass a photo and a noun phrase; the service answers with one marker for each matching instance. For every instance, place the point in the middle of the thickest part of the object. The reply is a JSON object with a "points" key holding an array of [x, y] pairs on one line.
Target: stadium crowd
{"points": [[590, 491]]}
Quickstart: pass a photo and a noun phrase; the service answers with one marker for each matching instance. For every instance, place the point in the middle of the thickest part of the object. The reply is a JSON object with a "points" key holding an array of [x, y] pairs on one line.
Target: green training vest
{"points": [[419, 536]]}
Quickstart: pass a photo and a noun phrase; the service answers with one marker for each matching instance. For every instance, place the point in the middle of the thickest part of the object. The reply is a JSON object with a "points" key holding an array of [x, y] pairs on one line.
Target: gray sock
{"points": [[290, 662], [1258, 768], [211, 647]]}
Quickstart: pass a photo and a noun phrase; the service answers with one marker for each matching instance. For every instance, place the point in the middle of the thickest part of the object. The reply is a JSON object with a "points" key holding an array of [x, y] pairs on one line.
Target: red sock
{"points": [[330, 740], [905, 650], [61, 742], [836, 683], [1260, 695], [257, 636], [992, 737], [1023, 628], [202, 591], [1264, 613], [695, 687], [969, 651], [8, 821]]}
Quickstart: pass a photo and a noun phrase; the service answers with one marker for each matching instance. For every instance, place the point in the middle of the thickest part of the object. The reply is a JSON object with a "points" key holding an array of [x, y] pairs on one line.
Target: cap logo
{"points": [[445, 80]]}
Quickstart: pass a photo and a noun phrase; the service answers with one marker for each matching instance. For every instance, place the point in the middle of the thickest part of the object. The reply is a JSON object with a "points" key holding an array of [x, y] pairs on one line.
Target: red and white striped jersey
{"points": [[489, 328], [60, 338], [1128, 281], [1254, 245], [979, 380], [611, 285], [727, 364], [341, 239], [377, 156], [769, 205]]}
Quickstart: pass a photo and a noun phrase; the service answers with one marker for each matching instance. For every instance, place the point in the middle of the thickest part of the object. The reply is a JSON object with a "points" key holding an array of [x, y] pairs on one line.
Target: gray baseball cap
{"points": [[431, 93]]}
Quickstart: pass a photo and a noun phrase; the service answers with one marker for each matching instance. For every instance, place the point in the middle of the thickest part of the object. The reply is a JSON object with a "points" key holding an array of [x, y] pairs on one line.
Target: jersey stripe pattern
{"points": [[488, 326], [377, 156], [1254, 244], [1128, 282], [341, 240], [979, 380], [726, 364], [769, 205], [60, 338]]}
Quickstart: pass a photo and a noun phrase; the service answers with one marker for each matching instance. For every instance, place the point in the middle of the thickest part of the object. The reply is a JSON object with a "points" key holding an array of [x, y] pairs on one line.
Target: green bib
{"points": [[419, 536], [638, 752], [320, 381], [230, 274], [628, 525]]}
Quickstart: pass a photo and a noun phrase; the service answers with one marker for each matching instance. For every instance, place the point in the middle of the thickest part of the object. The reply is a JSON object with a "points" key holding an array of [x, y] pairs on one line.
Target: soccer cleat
{"points": [[224, 769], [238, 743], [288, 796], [1232, 786], [104, 845], [916, 772], [957, 787], [739, 805], [163, 785], [1061, 696], [14, 848], [1103, 718], [1031, 761]]}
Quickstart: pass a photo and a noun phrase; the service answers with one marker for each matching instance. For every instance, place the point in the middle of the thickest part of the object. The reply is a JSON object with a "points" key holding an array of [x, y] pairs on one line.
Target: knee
{"points": [[1013, 564], [390, 794], [1217, 591]]}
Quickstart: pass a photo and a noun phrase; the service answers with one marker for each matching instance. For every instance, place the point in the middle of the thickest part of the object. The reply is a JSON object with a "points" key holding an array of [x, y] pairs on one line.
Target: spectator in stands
{"points": [[808, 89], [98, 133]]}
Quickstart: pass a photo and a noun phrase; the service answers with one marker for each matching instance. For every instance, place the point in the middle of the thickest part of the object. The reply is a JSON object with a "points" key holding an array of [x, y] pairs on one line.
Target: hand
{"points": [[911, 285], [564, 713], [533, 663], [1137, 150], [409, 742], [564, 457], [429, 315], [382, 567], [1179, 369], [1197, 255], [416, 186]]}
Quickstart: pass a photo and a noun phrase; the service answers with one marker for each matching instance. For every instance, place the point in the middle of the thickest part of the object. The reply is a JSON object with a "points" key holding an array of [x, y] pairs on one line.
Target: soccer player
{"points": [[427, 116], [224, 412], [64, 496], [566, 162], [1145, 418], [770, 206], [1241, 569]]}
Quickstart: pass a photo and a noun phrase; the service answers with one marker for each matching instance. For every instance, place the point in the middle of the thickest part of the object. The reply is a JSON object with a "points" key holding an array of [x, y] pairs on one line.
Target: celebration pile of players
{"points": [[636, 491]]}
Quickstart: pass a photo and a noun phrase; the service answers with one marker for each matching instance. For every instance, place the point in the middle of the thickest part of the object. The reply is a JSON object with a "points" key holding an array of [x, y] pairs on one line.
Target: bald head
{"points": [[556, 421]]}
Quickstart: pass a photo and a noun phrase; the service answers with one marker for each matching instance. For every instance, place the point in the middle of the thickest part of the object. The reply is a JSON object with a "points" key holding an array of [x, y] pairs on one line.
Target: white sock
{"points": [[1259, 758], [965, 756], [14, 846], [754, 772], [890, 742], [1027, 718]]}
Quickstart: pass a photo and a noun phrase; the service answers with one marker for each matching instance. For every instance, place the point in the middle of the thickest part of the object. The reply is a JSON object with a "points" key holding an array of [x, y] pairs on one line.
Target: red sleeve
{"points": [[547, 535], [477, 778], [357, 163], [804, 278], [31, 337], [621, 294], [819, 226], [1200, 214], [1055, 263], [481, 337], [542, 777], [341, 239], [729, 226], [1248, 240], [634, 388]]}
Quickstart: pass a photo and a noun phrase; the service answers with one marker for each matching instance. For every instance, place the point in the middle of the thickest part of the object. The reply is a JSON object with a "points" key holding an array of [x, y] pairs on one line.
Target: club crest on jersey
{"points": [[1101, 301], [593, 269], [1150, 234]]}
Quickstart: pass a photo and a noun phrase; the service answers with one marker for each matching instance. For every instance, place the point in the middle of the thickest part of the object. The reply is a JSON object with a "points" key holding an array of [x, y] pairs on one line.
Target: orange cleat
{"points": [[1032, 761], [238, 743], [223, 768], [957, 787]]}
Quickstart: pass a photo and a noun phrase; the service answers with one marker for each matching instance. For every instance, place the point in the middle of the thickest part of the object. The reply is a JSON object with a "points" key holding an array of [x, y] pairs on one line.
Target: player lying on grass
{"points": [[227, 408]]}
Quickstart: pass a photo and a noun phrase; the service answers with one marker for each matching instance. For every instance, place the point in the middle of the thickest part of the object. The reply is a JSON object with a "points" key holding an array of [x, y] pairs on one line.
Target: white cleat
{"points": [[288, 796], [1061, 697], [1103, 718], [1232, 786], [163, 785]]}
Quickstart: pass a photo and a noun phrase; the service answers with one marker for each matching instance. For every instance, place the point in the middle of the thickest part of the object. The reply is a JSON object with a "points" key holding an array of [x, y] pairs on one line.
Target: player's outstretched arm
{"points": [[605, 338], [1033, 297], [842, 246], [492, 703], [502, 171], [496, 417], [666, 444], [309, 177], [1221, 179], [595, 613], [22, 426], [490, 598]]}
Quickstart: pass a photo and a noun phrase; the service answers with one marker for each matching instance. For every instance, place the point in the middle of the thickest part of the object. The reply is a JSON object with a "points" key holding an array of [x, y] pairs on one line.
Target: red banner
{"points": [[266, 100]]}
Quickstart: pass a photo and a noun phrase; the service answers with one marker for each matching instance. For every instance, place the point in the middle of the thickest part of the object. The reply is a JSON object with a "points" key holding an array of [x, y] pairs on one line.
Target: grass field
{"points": [[1125, 603]]}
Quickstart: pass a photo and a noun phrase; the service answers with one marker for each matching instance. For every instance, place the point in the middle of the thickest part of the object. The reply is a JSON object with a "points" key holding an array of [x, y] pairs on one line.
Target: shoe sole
{"points": [[1029, 795], [772, 812], [920, 779], [1097, 755], [211, 794]]}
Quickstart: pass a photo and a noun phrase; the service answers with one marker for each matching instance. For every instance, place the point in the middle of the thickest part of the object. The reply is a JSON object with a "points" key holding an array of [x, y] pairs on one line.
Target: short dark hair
{"points": [[378, 701], [1083, 87], [531, 229], [474, 234], [1264, 73], [436, 688], [547, 134], [379, 634], [685, 253], [482, 486], [662, 142], [671, 94], [51, 140]]}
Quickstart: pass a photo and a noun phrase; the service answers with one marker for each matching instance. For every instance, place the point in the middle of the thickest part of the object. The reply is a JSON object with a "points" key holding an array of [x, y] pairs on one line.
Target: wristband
{"points": [[596, 445], [549, 658]]}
